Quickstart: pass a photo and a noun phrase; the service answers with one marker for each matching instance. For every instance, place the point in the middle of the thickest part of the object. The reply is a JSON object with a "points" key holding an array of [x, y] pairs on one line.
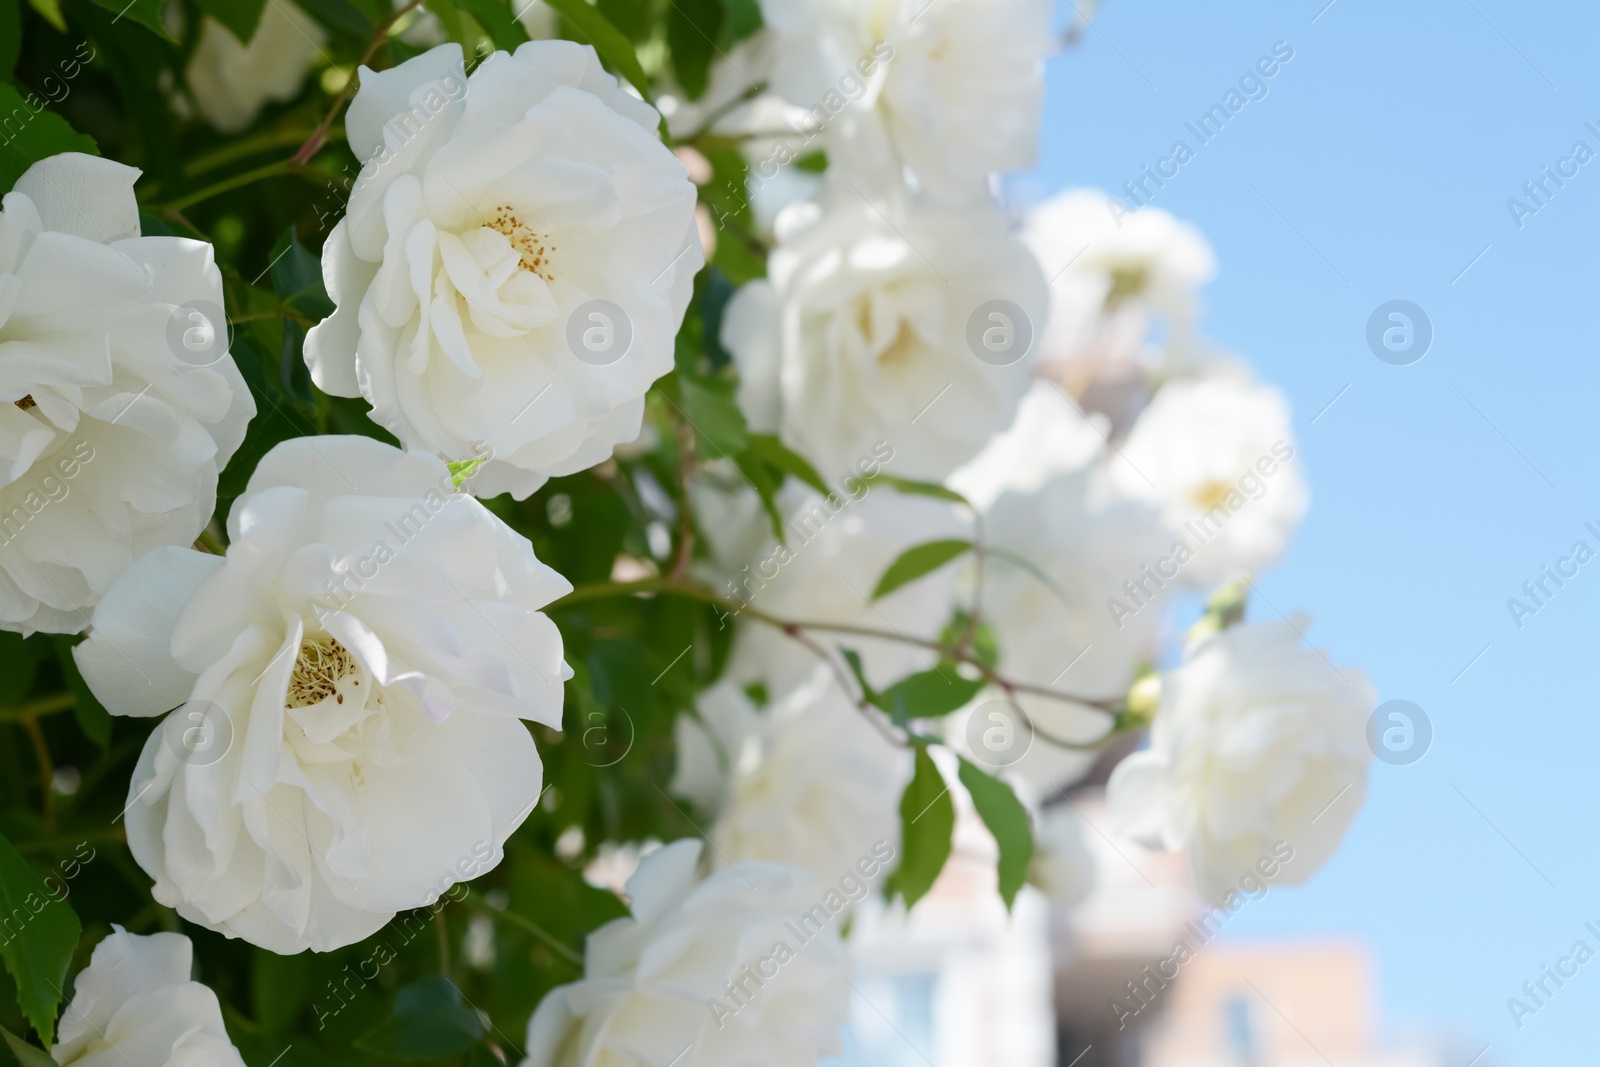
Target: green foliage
{"points": [[917, 561], [430, 1022], [26, 1054], [38, 934], [1008, 821], [38, 133], [927, 821]]}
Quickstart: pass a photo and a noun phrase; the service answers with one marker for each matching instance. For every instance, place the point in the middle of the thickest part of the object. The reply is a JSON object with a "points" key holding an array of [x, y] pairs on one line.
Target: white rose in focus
{"points": [[490, 216], [353, 675], [1259, 742], [870, 328], [230, 82], [950, 90], [135, 1004], [119, 402], [711, 973], [1217, 456], [808, 781]]}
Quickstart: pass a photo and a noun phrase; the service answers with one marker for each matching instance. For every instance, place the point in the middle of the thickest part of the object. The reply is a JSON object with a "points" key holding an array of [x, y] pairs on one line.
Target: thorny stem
{"points": [[319, 136]]}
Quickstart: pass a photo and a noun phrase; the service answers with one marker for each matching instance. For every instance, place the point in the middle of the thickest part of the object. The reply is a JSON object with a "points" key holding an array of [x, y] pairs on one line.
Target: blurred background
{"points": [[1387, 161]]}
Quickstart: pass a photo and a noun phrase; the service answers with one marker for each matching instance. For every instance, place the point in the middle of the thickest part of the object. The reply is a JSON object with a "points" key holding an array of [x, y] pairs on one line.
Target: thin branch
{"points": [[319, 136], [735, 607]]}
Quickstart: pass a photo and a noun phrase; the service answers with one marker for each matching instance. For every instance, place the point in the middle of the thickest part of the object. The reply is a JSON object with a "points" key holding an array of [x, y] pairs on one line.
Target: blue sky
{"points": [[1379, 167]]}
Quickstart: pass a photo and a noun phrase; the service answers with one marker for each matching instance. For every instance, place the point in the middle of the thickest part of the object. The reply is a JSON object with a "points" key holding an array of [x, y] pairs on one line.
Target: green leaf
{"points": [[693, 27], [40, 133], [1007, 820], [612, 44], [774, 453], [709, 406], [27, 1055], [430, 1022], [146, 13], [51, 11], [93, 718], [914, 488], [917, 561], [853, 659], [741, 18], [927, 821], [929, 694], [241, 17], [10, 37], [1033, 570], [766, 487], [40, 935], [498, 21], [297, 277]]}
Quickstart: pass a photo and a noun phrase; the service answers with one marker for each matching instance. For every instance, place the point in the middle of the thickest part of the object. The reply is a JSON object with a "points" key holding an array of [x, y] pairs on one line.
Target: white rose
{"points": [[353, 675], [874, 325], [1260, 743], [951, 90], [135, 1004], [808, 781], [1113, 273], [1217, 456], [744, 967], [489, 215], [1050, 436], [119, 403], [1056, 628], [230, 82], [836, 549]]}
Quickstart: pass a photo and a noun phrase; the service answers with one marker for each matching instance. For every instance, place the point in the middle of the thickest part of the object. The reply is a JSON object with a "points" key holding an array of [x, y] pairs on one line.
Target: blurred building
{"points": [[1127, 997]]}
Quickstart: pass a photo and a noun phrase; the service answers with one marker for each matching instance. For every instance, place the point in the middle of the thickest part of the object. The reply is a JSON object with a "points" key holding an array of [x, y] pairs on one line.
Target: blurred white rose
{"points": [[231, 82], [1259, 742], [135, 1004], [1217, 456], [490, 216], [808, 781], [353, 676], [1113, 275], [119, 402], [872, 326], [951, 90], [1053, 624], [1050, 436], [742, 968]]}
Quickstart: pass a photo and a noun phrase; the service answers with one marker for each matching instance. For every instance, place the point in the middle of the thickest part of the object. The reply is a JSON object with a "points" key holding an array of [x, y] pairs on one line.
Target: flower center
{"points": [[530, 246], [1212, 494], [1127, 282], [27, 403], [322, 665]]}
